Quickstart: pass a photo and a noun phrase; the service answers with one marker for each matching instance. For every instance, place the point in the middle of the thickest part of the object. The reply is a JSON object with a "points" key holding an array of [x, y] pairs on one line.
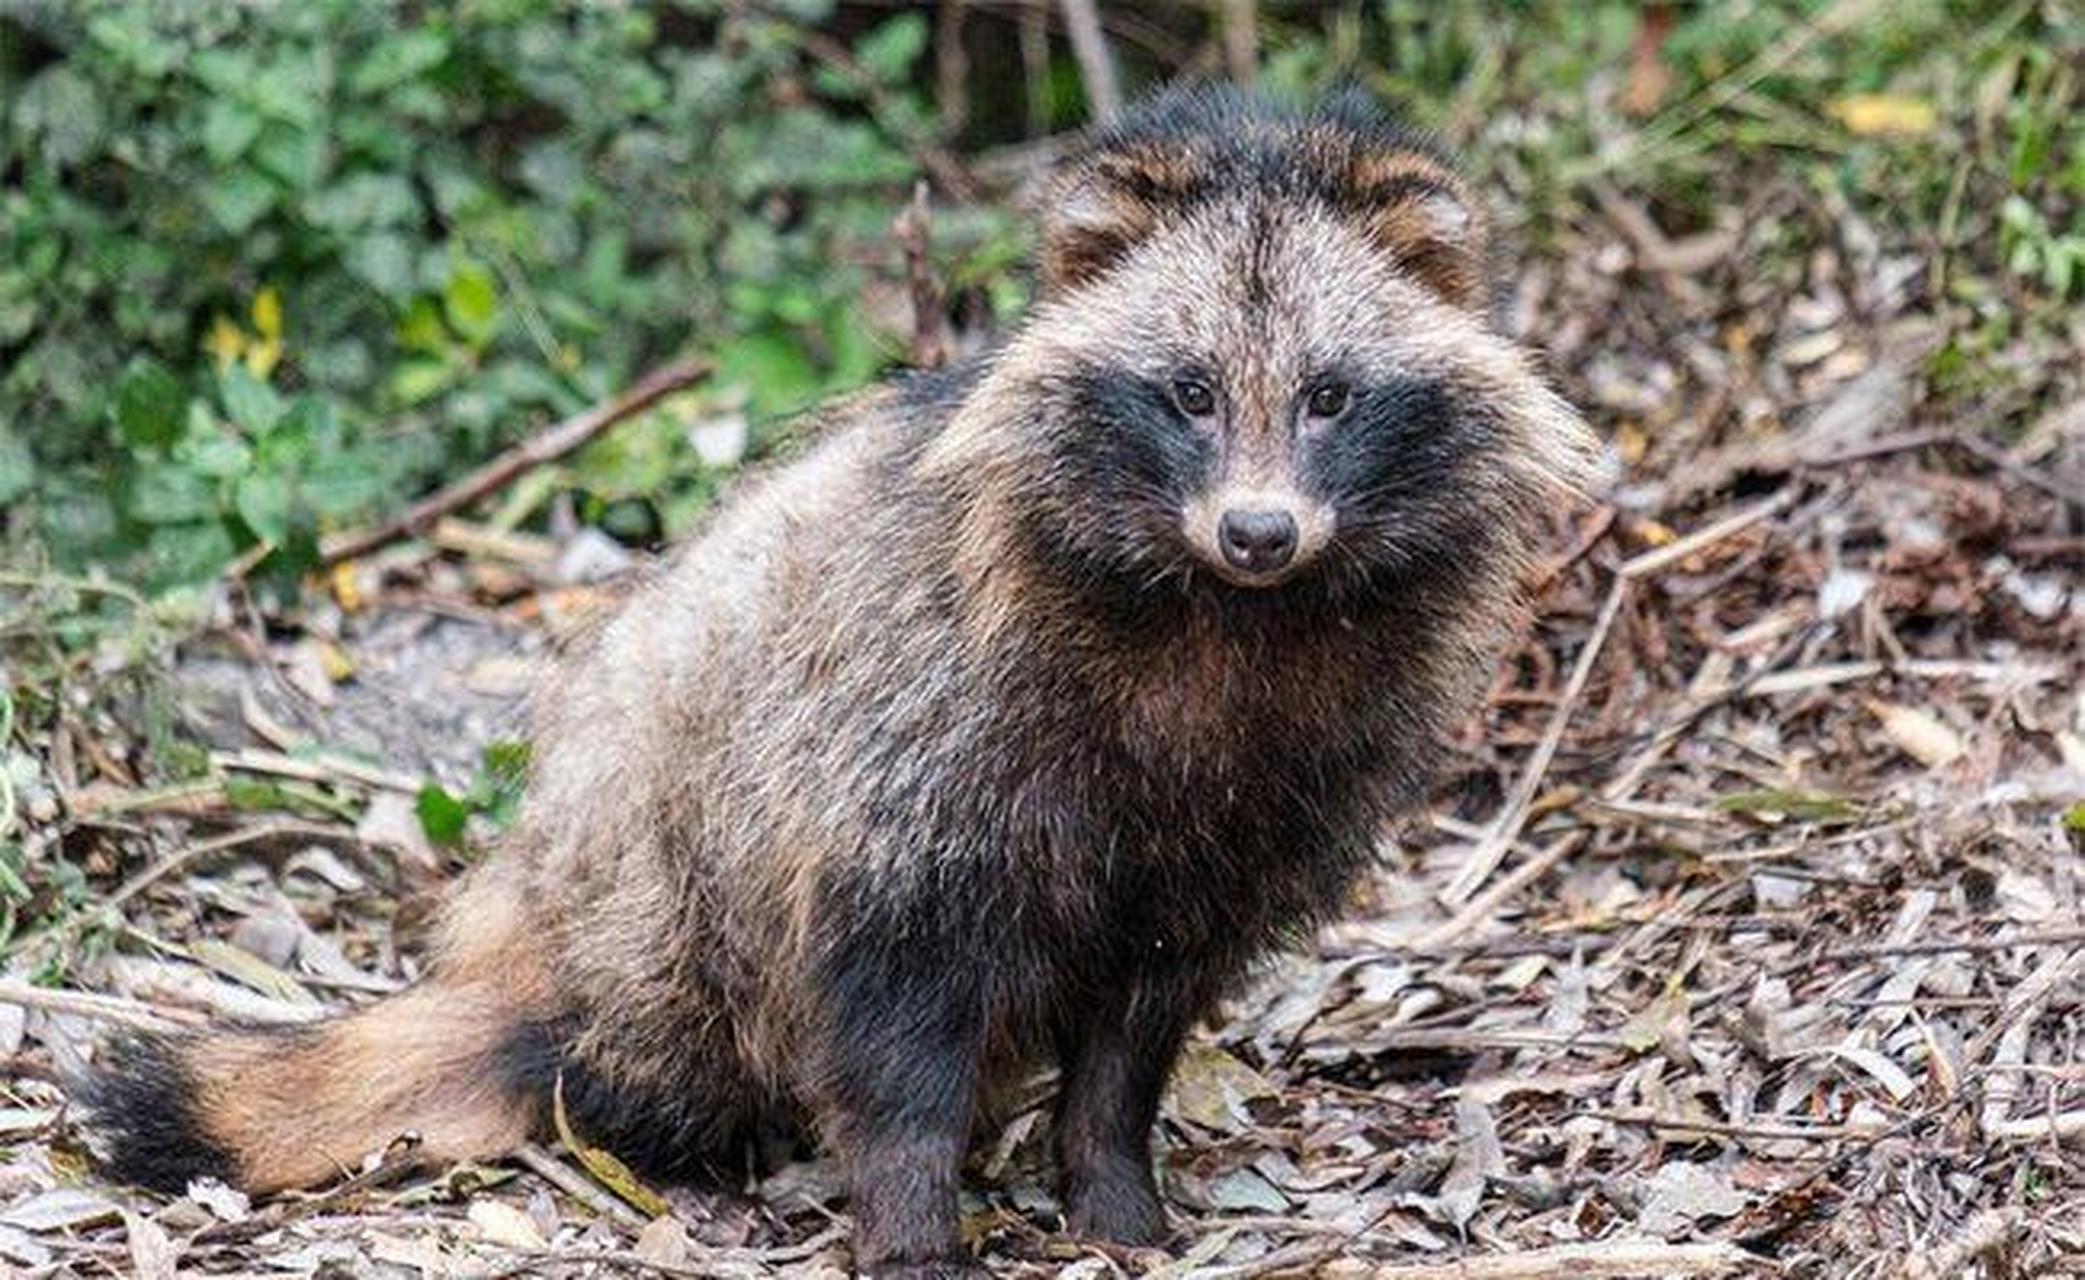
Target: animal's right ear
{"points": [[1098, 209]]}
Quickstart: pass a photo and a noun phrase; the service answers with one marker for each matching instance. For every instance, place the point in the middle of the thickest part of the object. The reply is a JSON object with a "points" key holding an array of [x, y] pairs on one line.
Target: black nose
{"points": [[1259, 541]]}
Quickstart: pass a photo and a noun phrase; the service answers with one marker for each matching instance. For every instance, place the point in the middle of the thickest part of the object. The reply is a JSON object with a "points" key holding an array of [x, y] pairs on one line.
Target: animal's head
{"points": [[1264, 360]]}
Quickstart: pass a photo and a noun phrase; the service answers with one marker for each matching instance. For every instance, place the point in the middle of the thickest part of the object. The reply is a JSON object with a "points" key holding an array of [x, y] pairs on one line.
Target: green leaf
{"points": [[254, 405], [1799, 806], [228, 130], [385, 263], [17, 468], [772, 368], [185, 553], [239, 199], [163, 494], [888, 52], [472, 303], [442, 816], [60, 107], [399, 58], [219, 454], [263, 502], [149, 405]]}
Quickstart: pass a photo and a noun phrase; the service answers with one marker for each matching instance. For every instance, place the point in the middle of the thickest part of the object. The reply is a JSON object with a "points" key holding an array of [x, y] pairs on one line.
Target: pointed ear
{"points": [[1089, 225], [1101, 206], [1424, 218]]}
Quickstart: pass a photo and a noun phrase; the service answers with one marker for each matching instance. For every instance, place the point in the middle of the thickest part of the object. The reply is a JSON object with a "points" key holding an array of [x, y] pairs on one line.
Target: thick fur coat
{"points": [[983, 735]]}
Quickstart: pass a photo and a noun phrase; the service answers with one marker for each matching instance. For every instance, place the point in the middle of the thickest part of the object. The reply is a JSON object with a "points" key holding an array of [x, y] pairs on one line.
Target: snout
{"points": [[1256, 537], [1257, 540]]}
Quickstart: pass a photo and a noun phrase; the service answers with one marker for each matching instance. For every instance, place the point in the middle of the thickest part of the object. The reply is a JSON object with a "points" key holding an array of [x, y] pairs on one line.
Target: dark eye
{"points": [[1327, 400], [1194, 397]]}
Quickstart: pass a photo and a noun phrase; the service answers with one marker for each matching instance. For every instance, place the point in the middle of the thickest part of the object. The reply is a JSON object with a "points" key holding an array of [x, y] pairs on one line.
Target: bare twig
{"points": [[1505, 829], [1605, 1260], [1987, 1233], [555, 1172], [951, 68], [178, 860], [929, 329], [1241, 39], [1486, 904], [1096, 65], [545, 447], [89, 1004]]}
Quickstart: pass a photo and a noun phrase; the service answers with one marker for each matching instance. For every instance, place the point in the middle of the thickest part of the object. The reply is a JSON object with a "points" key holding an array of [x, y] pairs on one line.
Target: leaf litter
{"points": [[1744, 935]]}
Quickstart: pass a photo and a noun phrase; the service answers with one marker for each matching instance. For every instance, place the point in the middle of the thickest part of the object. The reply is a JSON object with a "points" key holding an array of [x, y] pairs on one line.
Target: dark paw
{"points": [[1123, 1212]]}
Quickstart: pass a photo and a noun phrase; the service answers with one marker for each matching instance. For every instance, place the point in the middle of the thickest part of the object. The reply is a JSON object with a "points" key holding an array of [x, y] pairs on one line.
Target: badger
{"points": [[1003, 728]]}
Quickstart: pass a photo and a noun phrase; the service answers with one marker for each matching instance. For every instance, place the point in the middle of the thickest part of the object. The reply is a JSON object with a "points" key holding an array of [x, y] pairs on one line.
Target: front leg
{"points": [[904, 1035], [1115, 1060]]}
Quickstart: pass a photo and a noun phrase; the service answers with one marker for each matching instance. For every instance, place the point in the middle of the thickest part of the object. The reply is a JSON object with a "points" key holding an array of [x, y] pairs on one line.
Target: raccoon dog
{"points": [[1008, 725]]}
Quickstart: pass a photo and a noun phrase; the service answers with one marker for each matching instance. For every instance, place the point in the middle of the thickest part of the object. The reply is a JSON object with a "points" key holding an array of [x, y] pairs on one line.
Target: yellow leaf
{"points": [[335, 662], [1870, 115], [225, 342], [346, 581], [264, 352], [607, 1170], [1631, 442], [1654, 533], [262, 357], [267, 314]]}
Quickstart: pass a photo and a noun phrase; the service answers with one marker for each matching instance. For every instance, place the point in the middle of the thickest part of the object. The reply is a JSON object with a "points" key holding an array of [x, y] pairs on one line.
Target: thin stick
{"points": [[165, 867], [1505, 829], [1987, 1233], [544, 447], [1241, 39], [1486, 904], [1680, 548], [1089, 47], [90, 1004], [2003, 942], [929, 334], [1605, 1260], [554, 1171]]}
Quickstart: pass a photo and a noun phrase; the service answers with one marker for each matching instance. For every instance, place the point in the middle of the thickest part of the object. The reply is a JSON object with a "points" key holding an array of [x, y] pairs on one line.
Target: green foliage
{"points": [[494, 795], [265, 270]]}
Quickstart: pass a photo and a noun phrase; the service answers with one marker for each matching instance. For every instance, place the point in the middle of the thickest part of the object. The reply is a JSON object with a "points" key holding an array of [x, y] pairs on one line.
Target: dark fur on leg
{"points": [[1115, 1063]]}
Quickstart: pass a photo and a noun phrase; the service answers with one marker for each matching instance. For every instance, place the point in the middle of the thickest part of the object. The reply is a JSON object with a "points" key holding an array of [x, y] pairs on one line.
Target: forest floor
{"points": [[1746, 934]]}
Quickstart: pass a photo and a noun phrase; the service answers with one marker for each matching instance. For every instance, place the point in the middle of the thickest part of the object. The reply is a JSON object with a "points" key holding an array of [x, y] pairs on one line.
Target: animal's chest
{"points": [[1136, 876]]}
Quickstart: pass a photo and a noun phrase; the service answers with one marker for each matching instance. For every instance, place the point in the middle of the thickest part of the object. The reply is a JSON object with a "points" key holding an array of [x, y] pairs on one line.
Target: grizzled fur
{"points": [[957, 745]]}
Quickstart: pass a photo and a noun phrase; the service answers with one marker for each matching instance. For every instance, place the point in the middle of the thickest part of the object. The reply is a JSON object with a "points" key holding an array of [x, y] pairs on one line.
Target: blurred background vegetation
{"points": [[269, 269]]}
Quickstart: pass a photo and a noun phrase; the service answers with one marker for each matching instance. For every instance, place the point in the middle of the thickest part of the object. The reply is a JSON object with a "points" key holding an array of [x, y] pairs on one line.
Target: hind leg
{"points": [[689, 1116]]}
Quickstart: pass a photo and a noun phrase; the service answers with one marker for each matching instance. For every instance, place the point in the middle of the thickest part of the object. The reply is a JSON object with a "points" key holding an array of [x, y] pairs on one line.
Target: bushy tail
{"points": [[455, 1061]]}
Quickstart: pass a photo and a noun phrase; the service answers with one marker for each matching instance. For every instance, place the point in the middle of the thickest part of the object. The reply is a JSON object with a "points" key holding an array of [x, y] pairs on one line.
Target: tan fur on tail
{"points": [[444, 1063], [302, 1107]]}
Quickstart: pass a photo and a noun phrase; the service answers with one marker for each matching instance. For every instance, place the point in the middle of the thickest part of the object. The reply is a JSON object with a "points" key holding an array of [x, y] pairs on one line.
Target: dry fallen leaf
{"points": [[1210, 1088], [1919, 734], [501, 1223], [152, 1252], [607, 1170], [1883, 114], [663, 1242], [1681, 1194]]}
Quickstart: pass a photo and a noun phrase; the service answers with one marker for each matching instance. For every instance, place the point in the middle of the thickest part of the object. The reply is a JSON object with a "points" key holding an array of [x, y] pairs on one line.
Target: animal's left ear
{"points": [[1425, 219]]}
